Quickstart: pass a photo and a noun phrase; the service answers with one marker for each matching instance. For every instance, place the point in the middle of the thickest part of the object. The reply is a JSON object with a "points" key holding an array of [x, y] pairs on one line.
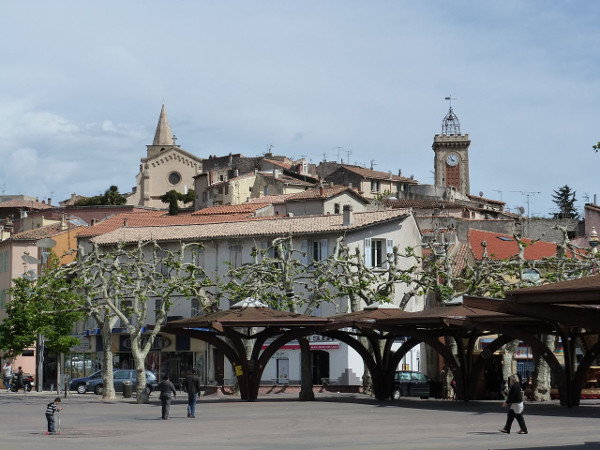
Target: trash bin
{"points": [[127, 389]]}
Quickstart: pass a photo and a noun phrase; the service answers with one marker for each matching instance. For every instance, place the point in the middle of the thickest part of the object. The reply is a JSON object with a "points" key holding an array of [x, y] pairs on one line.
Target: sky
{"points": [[82, 84]]}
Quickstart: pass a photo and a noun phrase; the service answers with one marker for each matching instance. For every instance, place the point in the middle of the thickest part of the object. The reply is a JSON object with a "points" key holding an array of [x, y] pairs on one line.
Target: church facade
{"points": [[166, 167]]}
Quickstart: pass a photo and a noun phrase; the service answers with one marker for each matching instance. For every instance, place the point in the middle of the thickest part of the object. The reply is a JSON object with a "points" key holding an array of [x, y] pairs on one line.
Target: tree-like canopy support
{"points": [[561, 309]]}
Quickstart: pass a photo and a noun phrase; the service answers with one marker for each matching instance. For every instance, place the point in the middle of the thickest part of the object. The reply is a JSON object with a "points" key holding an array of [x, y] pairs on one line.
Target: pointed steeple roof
{"points": [[163, 135]]}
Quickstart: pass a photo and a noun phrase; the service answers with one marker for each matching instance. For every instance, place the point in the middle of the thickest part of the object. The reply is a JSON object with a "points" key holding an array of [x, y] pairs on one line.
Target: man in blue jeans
{"points": [[192, 386]]}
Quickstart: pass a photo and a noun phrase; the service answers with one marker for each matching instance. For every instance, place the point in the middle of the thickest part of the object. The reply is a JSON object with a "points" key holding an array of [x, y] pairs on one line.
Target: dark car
{"points": [[415, 384], [119, 377], [78, 384]]}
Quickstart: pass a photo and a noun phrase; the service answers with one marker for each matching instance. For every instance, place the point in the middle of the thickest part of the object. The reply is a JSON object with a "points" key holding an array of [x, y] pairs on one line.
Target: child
{"points": [[50, 410]]}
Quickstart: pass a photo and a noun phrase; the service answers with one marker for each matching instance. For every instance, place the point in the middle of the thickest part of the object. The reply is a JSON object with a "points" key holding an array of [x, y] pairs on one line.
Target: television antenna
{"points": [[528, 194]]}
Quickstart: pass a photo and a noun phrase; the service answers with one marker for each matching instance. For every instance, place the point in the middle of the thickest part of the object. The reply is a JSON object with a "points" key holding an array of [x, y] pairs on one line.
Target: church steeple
{"points": [[163, 138], [163, 135]]}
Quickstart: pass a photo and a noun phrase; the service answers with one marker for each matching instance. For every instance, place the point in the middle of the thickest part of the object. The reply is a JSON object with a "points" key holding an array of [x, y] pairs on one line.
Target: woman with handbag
{"points": [[514, 401]]}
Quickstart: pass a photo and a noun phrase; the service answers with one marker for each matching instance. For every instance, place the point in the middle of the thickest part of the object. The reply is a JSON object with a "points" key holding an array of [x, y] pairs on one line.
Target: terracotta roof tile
{"points": [[281, 164], [247, 208], [155, 219], [503, 246], [325, 192], [421, 203], [271, 199], [262, 226], [288, 180], [45, 232], [25, 204], [368, 173]]}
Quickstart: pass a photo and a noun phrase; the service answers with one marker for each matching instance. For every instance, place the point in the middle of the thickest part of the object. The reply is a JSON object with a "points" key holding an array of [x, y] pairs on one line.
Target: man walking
{"points": [[192, 386], [7, 372], [167, 393]]}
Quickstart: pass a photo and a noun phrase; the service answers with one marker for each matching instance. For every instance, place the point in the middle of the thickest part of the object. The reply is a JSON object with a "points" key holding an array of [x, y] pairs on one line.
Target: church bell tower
{"points": [[451, 159]]}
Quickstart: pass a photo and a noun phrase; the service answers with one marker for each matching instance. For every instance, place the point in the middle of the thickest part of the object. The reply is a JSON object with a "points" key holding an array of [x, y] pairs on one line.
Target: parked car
{"points": [[119, 376], [415, 384], [78, 384]]}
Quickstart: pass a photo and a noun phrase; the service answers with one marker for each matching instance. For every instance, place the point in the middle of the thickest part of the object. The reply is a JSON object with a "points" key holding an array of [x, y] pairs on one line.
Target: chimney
{"points": [[347, 214], [125, 222], [63, 223]]}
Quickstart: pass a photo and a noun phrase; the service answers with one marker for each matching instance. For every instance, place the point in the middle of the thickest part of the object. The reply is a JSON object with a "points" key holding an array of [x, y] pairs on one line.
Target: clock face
{"points": [[452, 159]]}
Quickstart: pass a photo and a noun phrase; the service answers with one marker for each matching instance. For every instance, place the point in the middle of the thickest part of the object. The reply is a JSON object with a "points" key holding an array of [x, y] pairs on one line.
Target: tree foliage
{"points": [[173, 198], [110, 197], [565, 199], [133, 285], [40, 305]]}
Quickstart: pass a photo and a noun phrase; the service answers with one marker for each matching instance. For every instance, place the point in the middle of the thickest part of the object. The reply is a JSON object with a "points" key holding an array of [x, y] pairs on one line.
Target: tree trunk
{"points": [[541, 374], [507, 359], [306, 381], [447, 375], [107, 365], [139, 361]]}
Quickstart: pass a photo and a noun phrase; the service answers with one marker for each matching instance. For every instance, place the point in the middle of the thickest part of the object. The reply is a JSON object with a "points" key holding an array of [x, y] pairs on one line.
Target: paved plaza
{"points": [[280, 421]]}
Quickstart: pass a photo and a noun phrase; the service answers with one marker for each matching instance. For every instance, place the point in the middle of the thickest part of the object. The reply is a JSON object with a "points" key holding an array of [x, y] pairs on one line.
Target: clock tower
{"points": [[451, 159]]}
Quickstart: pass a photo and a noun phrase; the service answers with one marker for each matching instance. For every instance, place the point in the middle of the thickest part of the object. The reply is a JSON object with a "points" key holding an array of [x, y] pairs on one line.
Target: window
{"points": [[204, 196], [376, 251], [336, 208], [314, 250], [174, 178], [375, 186], [161, 266], [227, 190], [220, 190], [196, 307], [235, 256], [4, 258]]}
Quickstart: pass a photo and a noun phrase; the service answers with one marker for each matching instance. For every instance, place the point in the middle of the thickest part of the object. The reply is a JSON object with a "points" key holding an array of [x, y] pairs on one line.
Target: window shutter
{"points": [[304, 249], [324, 252], [368, 260]]}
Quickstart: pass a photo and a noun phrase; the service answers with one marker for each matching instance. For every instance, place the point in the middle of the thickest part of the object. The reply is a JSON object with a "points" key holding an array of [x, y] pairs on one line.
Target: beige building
{"points": [[166, 167]]}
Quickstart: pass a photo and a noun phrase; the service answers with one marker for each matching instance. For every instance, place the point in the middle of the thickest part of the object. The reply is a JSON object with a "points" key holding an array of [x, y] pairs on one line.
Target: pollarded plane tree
{"points": [[134, 285], [494, 277], [285, 279]]}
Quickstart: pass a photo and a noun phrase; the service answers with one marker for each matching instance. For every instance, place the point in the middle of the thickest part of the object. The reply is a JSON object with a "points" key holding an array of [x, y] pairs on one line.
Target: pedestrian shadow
{"points": [[483, 433]]}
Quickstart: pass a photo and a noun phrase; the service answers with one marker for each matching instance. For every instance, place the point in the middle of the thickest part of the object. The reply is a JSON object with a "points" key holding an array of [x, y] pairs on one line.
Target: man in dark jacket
{"points": [[167, 393], [514, 402], [192, 386]]}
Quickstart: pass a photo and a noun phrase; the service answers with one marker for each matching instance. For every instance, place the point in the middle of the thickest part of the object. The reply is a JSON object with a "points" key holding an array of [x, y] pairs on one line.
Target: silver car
{"points": [[119, 377]]}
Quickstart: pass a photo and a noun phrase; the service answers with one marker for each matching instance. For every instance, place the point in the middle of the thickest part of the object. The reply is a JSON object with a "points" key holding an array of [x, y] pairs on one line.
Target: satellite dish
{"points": [[521, 210], [31, 259], [45, 243], [481, 193]]}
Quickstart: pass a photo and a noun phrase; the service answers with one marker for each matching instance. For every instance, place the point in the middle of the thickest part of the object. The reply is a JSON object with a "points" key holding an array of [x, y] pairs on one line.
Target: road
{"points": [[279, 421]]}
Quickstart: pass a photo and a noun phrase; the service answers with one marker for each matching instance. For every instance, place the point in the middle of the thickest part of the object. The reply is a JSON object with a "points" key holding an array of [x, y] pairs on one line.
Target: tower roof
{"points": [[163, 135], [450, 124]]}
